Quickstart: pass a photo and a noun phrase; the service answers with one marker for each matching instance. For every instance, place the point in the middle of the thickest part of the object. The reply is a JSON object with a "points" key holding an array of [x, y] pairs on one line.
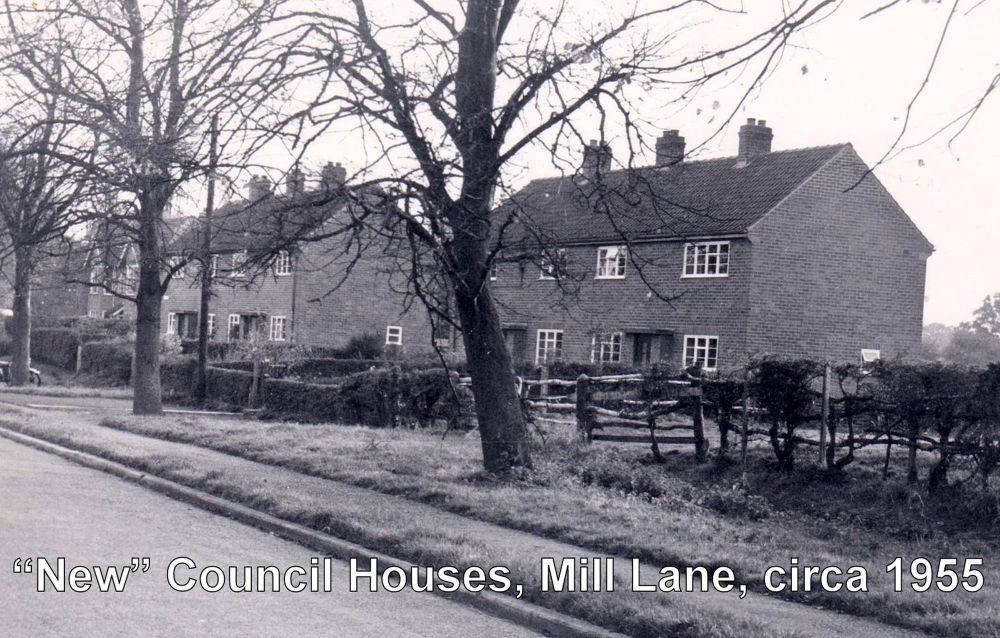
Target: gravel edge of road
{"points": [[508, 608]]}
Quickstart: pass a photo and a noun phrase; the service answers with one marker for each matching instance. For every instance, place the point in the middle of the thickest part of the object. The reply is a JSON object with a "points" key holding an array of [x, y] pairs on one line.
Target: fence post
{"points": [[697, 394], [745, 434], [824, 416], [543, 388], [584, 419], [79, 358]]}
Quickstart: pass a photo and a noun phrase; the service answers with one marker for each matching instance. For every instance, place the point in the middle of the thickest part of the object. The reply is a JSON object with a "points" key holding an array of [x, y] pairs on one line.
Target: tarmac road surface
{"points": [[50, 507]]}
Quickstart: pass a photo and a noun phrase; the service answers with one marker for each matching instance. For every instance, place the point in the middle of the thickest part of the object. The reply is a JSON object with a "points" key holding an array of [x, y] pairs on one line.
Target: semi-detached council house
{"points": [[797, 253]]}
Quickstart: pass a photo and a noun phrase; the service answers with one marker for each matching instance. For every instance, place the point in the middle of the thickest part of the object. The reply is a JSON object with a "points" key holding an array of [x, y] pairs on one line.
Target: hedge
{"points": [[310, 368], [109, 360], [379, 398]]}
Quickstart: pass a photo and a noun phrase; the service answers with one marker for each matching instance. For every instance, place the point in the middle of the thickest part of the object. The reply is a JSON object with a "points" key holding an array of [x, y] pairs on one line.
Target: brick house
{"points": [[798, 253], [312, 293]]}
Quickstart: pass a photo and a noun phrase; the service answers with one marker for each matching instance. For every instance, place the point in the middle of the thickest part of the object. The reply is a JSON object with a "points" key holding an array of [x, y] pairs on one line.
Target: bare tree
{"points": [[450, 94], [40, 197], [145, 78]]}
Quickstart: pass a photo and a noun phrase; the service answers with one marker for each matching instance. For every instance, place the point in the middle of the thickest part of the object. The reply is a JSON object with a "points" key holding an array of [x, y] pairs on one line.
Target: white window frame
{"points": [[283, 264], [494, 271], [609, 343], [553, 338], [229, 326], [393, 335], [277, 323], [612, 262], [211, 326], [869, 356], [171, 323], [707, 250], [237, 263], [701, 351], [549, 271], [213, 267]]}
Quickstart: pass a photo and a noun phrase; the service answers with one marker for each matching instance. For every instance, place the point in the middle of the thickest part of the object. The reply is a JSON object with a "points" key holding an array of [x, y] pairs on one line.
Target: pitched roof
{"points": [[690, 199]]}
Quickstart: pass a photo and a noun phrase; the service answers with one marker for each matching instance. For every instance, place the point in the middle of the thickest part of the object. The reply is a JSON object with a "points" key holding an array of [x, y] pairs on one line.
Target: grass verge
{"points": [[680, 513]]}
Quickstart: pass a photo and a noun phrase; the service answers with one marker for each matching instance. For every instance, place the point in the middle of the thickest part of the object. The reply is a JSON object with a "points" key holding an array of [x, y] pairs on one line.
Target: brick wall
{"points": [[837, 270], [330, 309], [658, 300]]}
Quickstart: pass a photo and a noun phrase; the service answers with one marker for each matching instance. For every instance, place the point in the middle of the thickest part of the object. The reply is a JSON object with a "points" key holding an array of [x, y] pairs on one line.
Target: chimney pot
{"points": [[295, 182], [258, 188], [596, 159], [333, 175], [669, 148], [755, 139]]}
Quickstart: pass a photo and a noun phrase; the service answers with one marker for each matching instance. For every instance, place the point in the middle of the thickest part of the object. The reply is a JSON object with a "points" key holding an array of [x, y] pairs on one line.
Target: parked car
{"points": [[35, 377]]}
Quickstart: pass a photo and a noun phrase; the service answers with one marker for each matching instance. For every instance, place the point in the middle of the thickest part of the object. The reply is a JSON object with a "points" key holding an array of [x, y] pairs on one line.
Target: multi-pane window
{"points": [[283, 264], [214, 267], [549, 346], [394, 336], [233, 332], [611, 262], [494, 271], [95, 277], [606, 348], [277, 329], [552, 266], [211, 325], [706, 259], [701, 351], [238, 261], [171, 323]]}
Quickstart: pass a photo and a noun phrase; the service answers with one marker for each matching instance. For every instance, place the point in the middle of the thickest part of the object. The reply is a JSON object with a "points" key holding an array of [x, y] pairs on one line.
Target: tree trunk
{"points": [[502, 429], [938, 477], [146, 391], [20, 362]]}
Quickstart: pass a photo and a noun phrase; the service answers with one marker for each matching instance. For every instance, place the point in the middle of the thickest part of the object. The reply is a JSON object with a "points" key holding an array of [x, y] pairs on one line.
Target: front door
{"points": [[642, 349], [516, 341]]}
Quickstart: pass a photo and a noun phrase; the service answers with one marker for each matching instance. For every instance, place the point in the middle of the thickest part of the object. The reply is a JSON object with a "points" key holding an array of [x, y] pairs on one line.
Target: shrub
{"points": [[380, 398], [177, 375], [365, 346], [55, 346], [108, 360], [784, 390], [217, 350]]}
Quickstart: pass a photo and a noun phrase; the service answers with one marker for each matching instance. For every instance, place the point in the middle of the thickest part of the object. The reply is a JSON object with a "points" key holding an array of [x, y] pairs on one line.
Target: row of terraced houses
{"points": [[798, 253]]}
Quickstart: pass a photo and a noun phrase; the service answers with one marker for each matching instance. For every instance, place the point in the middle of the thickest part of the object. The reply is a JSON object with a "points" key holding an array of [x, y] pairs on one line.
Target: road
{"points": [[50, 507]]}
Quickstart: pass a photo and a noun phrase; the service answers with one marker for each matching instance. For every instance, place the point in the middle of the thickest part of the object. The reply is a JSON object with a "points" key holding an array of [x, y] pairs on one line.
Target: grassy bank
{"points": [[616, 500], [404, 530]]}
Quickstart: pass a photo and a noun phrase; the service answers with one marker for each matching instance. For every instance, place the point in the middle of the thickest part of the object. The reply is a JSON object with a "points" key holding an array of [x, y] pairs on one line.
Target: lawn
{"points": [[614, 499]]}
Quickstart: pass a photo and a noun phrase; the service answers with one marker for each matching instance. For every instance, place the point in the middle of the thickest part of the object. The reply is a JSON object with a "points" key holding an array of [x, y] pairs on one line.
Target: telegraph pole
{"points": [[201, 378]]}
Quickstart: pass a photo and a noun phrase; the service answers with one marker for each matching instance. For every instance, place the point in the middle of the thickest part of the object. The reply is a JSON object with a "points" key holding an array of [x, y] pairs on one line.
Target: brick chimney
{"points": [[596, 158], [755, 139], [258, 188], [333, 176], [295, 182], [669, 148]]}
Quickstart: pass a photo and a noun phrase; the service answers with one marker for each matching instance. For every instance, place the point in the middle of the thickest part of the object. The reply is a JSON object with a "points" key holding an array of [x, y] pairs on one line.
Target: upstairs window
{"points": [[701, 351], [553, 269], [214, 267], [239, 260], [283, 264], [606, 348], [494, 271], [549, 346], [394, 336], [706, 259], [611, 262]]}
